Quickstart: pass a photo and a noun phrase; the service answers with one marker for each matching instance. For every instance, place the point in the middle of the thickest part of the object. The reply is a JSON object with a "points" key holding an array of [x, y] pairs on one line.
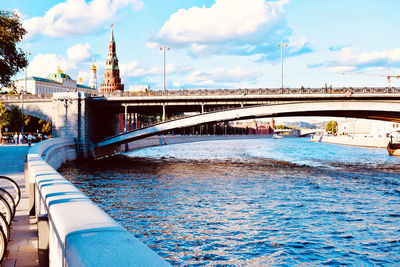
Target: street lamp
{"points": [[22, 95], [281, 45], [164, 48], [67, 101]]}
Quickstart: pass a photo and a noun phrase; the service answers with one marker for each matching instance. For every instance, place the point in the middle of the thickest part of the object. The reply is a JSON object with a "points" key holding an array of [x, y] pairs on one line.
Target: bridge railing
{"points": [[26, 96], [225, 92], [259, 91]]}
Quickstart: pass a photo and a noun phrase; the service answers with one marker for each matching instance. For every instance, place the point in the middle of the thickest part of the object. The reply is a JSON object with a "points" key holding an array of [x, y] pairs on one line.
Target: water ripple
{"points": [[254, 203]]}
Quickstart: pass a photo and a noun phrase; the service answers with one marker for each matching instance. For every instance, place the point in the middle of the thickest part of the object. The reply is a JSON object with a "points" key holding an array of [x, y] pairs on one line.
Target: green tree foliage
{"points": [[12, 59], [4, 116], [284, 127], [15, 119], [45, 127], [331, 126]]}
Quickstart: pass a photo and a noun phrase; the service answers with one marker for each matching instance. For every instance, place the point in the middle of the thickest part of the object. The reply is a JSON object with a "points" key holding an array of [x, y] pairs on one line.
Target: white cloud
{"points": [[153, 45], [74, 17], [228, 27], [348, 59], [79, 52], [224, 21], [44, 64], [72, 63], [221, 75], [131, 69], [341, 69], [348, 56]]}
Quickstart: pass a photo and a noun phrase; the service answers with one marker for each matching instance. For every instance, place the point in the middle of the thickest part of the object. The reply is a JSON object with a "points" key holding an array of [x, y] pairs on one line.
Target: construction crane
{"points": [[388, 76]]}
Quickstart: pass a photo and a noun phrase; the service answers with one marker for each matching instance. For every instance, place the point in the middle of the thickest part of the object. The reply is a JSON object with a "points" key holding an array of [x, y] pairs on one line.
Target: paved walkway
{"points": [[22, 248]]}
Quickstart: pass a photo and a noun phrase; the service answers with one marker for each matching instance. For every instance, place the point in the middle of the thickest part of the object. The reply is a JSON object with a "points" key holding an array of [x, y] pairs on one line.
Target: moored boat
{"points": [[275, 136], [393, 149]]}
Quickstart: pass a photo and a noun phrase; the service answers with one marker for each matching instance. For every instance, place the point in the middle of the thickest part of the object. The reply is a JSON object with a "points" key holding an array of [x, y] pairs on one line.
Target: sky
{"points": [[216, 43]]}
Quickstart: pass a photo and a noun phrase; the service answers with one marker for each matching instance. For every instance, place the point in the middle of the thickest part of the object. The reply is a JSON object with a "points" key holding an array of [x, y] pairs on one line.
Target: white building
{"points": [[93, 77], [368, 128], [53, 83]]}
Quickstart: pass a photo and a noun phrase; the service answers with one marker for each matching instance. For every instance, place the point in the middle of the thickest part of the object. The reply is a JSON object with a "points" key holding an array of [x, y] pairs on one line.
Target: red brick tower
{"points": [[111, 79]]}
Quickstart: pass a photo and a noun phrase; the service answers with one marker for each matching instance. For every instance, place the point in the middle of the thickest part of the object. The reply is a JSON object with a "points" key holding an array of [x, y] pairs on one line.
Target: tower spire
{"points": [[111, 79], [112, 34]]}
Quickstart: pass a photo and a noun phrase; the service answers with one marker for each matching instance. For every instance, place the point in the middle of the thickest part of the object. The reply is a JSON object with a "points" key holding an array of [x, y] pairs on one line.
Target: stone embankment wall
{"points": [[72, 229], [352, 140]]}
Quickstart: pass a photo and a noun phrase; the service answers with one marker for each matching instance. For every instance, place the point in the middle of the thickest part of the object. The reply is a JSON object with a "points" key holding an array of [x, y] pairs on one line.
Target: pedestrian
{"points": [[20, 138], [16, 138], [29, 139]]}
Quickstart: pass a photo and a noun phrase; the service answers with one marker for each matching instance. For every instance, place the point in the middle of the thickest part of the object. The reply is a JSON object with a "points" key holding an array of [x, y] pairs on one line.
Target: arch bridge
{"points": [[96, 121], [373, 109]]}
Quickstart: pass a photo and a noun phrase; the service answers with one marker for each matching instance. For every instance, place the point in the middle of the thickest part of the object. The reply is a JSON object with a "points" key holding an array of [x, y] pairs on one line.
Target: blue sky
{"points": [[216, 43]]}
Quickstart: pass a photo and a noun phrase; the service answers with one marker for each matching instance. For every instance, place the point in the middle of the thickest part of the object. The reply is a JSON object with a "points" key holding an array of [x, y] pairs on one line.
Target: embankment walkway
{"points": [[22, 248]]}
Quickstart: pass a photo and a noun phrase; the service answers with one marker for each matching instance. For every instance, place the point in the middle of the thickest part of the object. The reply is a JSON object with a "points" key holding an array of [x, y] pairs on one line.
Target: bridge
{"points": [[299, 132], [95, 121]]}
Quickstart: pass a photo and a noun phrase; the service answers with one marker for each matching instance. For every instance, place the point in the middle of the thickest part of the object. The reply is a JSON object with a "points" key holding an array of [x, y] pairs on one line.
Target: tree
{"points": [[15, 122], [331, 126], [46, 126], [12, 59], [4, 116]]}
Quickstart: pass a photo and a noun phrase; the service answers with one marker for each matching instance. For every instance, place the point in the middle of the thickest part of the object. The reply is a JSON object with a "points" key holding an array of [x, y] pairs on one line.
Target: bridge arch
{"points": [[379, 110], [42, 109]]}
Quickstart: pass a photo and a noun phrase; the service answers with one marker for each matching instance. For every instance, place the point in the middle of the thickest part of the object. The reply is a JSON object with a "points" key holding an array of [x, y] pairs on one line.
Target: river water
{"points": [[253, 202]]}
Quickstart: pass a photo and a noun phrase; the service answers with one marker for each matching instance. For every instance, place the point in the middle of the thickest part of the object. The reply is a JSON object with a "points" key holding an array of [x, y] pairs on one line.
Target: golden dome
{"points": [[80, 80], [93, 68], [59, 71]]}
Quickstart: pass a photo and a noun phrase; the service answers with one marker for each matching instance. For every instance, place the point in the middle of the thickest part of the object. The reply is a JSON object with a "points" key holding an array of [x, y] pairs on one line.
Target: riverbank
{"points": [[352, 140]]}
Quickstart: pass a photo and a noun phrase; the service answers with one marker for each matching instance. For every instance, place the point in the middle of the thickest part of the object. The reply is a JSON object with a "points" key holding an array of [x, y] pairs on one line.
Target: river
{"points": [[253, 202]]}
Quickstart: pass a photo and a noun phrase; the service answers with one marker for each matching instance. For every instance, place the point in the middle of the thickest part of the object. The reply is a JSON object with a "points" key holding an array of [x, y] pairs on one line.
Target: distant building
{"points": [[53, 83], [257, 127], [111, 79], [93, 77], [368, 128]]}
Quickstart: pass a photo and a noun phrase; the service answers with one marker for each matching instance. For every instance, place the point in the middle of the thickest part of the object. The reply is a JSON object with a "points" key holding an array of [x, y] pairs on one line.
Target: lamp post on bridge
{"points": [[164, 48], [281, 45], [22, 95], [67, 101]]}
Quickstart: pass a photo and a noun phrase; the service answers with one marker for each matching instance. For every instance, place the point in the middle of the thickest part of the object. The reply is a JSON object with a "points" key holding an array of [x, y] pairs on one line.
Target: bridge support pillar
{"points": [[126, 118], [163, 112], [71, 119]]}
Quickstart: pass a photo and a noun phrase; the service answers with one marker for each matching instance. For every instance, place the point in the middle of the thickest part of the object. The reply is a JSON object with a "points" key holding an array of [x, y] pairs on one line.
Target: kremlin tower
{"points": [[111, 79], [93, 77]]}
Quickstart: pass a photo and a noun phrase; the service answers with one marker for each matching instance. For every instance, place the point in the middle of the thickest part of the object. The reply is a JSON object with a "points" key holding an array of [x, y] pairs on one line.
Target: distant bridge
{"points": [[302, 132]]}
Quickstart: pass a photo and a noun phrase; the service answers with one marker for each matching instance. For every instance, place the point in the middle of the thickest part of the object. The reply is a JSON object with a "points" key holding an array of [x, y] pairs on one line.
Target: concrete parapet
{"points": [[353, 140], [168, 140], [79, 232]]}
